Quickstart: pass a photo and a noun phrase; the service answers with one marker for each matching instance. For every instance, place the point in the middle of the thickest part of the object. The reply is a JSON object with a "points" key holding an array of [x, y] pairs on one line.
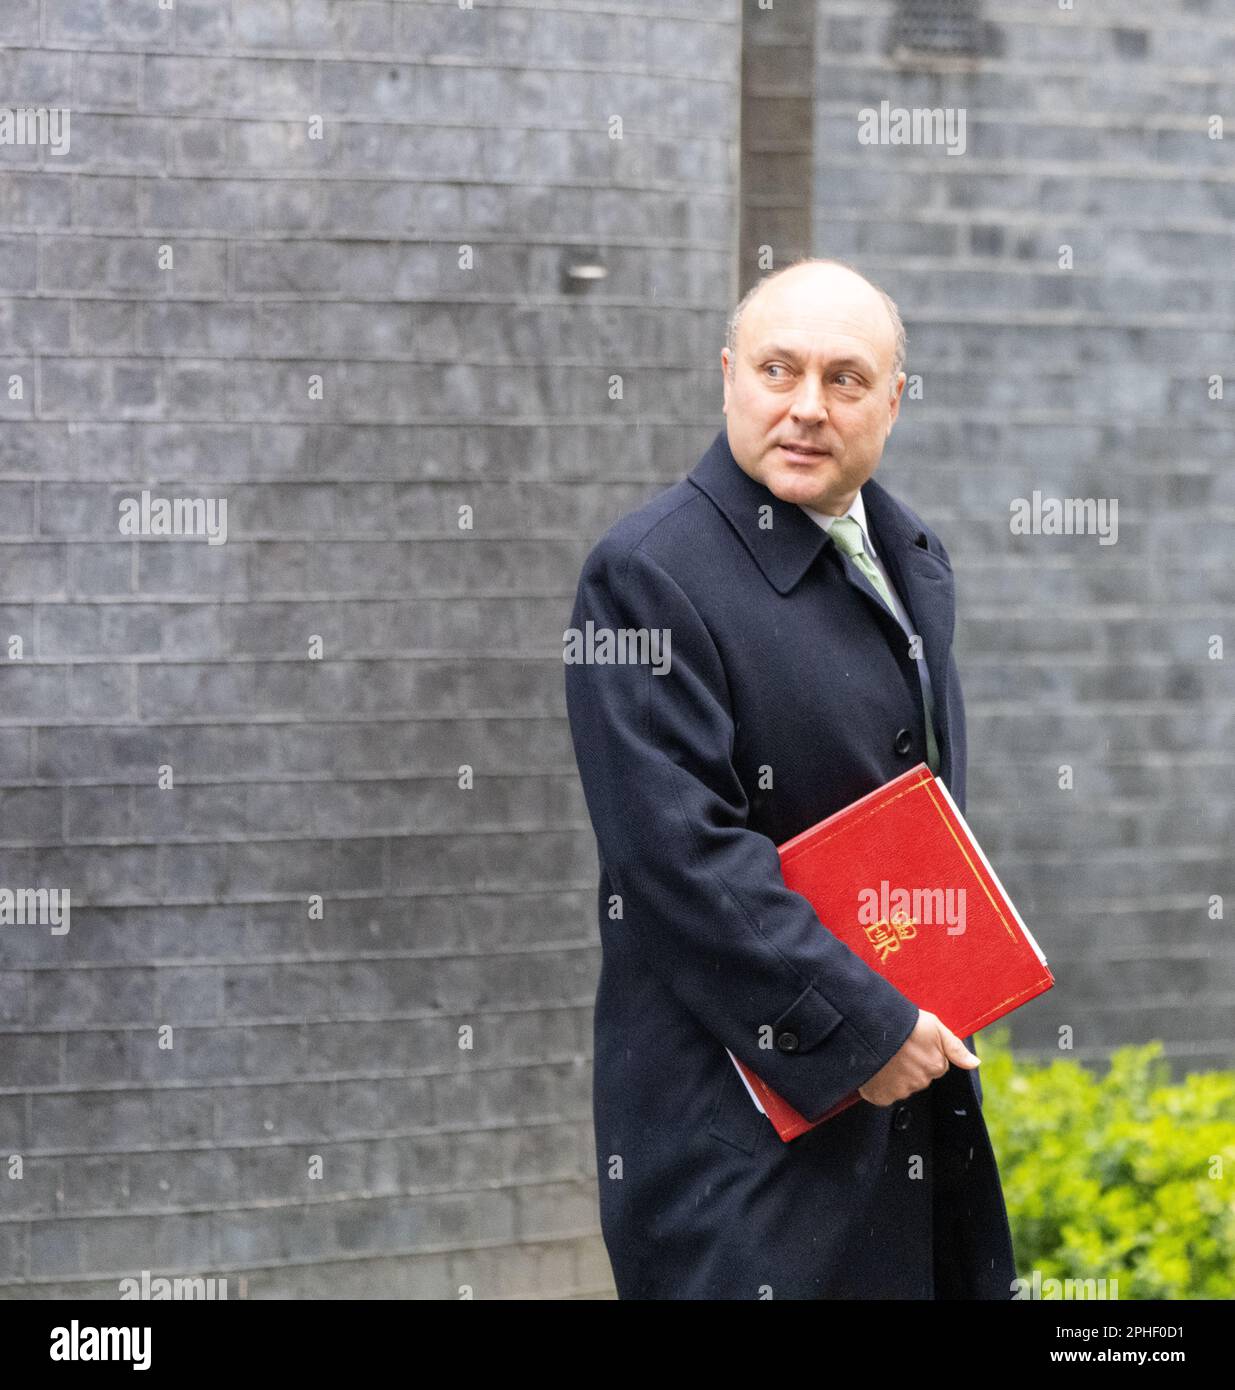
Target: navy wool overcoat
{"points": [[788, 692]]}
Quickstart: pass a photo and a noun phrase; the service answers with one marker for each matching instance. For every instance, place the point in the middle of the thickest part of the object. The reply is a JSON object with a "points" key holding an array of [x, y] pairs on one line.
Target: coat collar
{"points": [[786, 550]]}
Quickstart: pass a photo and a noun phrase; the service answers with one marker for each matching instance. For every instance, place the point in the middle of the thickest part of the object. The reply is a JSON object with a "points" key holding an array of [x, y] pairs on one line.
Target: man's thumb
{"points": [[957, 1053]]}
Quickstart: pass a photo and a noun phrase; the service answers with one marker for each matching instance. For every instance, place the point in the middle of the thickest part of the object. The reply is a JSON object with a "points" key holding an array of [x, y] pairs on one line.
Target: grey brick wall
{"points": [[294, 1037], [445, 908], [1086, 128]]}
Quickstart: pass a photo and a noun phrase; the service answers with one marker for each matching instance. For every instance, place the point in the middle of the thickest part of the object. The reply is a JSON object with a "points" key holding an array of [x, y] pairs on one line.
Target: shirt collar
{"points": [[857, 511]]}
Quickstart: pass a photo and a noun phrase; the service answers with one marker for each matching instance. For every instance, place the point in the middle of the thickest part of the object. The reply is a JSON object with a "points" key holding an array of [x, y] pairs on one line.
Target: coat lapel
{"points": [[787, 548], [923, 579], [781, 538], [926, 587]]}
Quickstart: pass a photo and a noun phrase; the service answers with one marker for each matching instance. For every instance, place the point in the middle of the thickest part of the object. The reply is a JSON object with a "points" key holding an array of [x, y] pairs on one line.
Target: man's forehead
{"points": [[833, 325]]}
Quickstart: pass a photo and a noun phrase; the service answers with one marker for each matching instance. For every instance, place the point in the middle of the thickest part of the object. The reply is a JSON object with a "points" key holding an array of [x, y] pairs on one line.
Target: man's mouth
{"points": [[806, 451]]}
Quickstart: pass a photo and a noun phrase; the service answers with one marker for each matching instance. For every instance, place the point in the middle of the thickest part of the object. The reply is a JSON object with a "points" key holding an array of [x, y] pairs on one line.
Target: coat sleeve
{"points": [[702, 895]]}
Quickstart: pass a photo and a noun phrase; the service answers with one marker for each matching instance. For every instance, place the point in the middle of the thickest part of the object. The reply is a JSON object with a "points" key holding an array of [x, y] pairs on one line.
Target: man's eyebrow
{"points": [[777, 350]]}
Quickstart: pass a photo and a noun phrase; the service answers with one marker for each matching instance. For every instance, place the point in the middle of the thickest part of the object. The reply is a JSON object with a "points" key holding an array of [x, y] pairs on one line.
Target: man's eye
{"points": [[774, 367], [841, 375]]}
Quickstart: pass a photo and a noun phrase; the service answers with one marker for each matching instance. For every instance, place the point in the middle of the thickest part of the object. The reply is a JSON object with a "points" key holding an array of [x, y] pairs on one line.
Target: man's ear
{"points": [[724, 380], [896, 401]]}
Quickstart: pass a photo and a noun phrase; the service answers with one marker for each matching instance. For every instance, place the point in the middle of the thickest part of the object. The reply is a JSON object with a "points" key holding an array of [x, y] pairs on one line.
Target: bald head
{"points": [[834, 279], [812, 382]]}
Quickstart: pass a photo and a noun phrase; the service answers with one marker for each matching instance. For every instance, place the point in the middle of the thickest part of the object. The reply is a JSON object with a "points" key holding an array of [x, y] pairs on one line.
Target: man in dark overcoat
{"points": [[751, 650]]}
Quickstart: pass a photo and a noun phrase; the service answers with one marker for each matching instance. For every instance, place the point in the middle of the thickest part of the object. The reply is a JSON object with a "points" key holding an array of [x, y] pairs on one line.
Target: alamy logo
{"points": [[913, 906], [78, 1343], [923, 125], [1081, 1289], [35, 125], [188, 1287], [623, 646], [175, 516], [1065, 516], [35, 907]]}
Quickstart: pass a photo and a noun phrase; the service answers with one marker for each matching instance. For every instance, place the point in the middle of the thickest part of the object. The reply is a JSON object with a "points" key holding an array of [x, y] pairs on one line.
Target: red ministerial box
{"points": [[865, 870]]}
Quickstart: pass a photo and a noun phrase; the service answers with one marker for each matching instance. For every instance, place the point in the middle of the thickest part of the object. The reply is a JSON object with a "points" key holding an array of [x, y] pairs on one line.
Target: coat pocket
{"points": [[734, 1118]]}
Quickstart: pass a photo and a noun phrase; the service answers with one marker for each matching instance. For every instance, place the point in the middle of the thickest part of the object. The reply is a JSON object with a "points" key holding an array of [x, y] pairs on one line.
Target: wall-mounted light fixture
{"points": [[582, 269]]}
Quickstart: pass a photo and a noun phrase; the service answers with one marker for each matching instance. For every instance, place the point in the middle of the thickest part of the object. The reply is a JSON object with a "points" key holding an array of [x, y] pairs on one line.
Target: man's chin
{"points": [[802, 486]]}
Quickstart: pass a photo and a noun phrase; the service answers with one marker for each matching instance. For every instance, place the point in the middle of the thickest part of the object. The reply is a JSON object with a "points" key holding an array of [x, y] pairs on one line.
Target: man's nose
{"points": [[809, 402]]}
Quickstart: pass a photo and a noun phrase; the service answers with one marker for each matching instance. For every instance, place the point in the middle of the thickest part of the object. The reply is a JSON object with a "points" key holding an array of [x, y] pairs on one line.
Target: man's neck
{"points": [[830, 508]]}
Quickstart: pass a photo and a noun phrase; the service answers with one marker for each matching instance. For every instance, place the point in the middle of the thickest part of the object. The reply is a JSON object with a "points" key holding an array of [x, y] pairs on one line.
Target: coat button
{"points": [[904, 741], [787, 1042], [903, 1117]]}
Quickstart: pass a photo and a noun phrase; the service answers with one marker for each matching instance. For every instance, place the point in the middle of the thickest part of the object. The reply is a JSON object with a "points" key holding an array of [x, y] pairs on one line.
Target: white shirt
{"points": [[858, 512]]}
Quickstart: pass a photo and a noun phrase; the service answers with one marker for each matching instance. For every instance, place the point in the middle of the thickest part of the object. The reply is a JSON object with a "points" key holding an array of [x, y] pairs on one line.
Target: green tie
{"points": [[847, 534]]}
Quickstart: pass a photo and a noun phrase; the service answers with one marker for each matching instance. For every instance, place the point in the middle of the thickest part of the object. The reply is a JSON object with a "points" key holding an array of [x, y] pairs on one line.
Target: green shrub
{"points": [[1124, 1176]]}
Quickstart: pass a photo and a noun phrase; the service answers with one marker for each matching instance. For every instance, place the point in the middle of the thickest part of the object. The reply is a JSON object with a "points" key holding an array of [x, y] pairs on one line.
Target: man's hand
{"points": [[925, 1054]]}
